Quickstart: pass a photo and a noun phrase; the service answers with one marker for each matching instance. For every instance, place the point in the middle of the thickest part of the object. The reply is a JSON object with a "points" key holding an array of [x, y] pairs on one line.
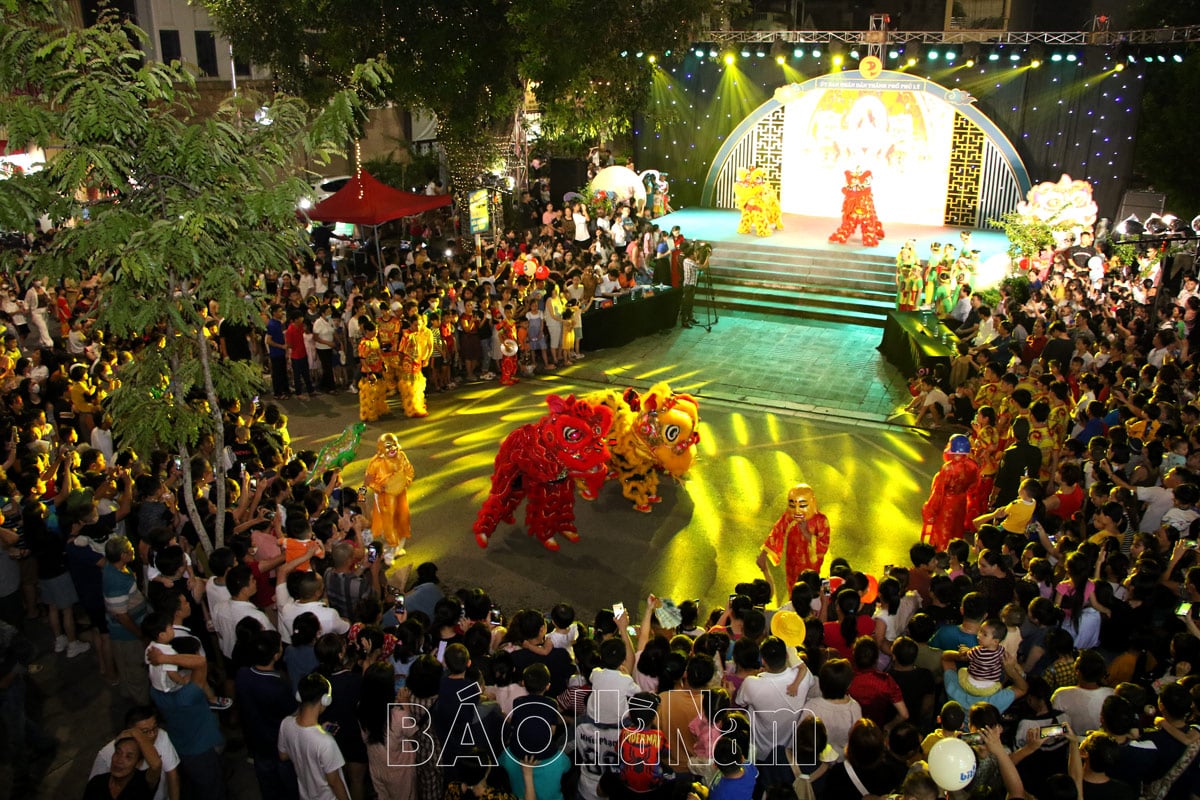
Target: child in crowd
{"points": [[169, 670], [985, 661], [568, 328], [299, 540], [565, 632], [1012, 615], [950, 724], [1018, 514]]}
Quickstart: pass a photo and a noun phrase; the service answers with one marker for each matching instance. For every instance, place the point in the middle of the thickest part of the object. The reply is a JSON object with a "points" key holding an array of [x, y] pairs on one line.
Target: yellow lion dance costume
{"points": [[651, 433], [758, 202]]}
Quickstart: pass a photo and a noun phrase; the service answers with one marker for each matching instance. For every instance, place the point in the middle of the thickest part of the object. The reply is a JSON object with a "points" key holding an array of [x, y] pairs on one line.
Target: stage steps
{"points": [[847, 287]]}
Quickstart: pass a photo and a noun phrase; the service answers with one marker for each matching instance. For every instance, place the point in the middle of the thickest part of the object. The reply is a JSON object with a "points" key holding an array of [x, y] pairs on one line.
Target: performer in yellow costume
{"points": [[391, 328], [414, 353], [372, 391], [389, 474]]}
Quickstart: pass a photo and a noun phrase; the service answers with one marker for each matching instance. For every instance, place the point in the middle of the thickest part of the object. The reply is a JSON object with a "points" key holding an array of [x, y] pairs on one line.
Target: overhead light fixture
{"points": [[1155, 225], [893, 54], [745, 53], [816, 52], [1177, 58], [729, 59], [1132, 226], [1072, 57], [933, 55], [993, 56], [950, 56], [798, 52], [1056, 57]]}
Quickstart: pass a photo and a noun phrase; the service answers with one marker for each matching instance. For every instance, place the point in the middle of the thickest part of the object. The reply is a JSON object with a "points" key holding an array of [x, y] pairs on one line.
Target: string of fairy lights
{"points": [[1067, 107]]}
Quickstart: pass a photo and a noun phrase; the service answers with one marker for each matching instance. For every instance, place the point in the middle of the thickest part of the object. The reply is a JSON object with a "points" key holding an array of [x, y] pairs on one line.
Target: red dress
{"points": [[788, 542], [947, 513]]}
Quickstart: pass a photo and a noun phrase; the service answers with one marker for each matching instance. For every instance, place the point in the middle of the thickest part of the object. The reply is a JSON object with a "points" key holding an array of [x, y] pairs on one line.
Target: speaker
{"points": [[566, 175]]}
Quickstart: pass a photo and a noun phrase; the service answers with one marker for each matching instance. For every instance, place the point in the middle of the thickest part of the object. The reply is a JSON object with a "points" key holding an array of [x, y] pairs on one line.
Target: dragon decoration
{"points": [[541, 462], [651, 433]]}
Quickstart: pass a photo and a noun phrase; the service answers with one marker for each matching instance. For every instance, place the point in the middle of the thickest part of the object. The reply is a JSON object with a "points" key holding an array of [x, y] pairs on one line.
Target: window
{"points": [[241, 67], [206, 54], [168, 46]]}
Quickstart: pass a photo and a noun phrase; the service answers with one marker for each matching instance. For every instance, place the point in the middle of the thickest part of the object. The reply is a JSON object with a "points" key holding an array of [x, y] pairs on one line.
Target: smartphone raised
{"points": [[1046, 731], [1183, 609], [618, 610]]}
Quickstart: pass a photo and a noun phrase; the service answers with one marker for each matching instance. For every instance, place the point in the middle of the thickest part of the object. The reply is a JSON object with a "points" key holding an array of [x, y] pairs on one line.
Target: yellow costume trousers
{"points": [[372, 399], [412, 394], [390, 519]]}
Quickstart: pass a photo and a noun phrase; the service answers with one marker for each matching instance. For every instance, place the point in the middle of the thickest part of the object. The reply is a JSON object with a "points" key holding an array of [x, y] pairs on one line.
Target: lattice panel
{"points": [[768, 134], [966, 173], [761, 147]]}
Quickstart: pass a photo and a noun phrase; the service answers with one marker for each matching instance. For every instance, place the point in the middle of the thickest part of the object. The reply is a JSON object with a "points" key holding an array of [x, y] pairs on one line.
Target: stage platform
{"points": [[797, 272]]}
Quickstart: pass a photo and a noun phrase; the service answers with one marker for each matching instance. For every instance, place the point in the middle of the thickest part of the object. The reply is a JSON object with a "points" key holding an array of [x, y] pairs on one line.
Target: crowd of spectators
{"points": [[1062, 645]]}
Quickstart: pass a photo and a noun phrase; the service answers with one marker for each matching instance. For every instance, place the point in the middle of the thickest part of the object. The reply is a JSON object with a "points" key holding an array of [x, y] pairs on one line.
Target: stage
{"points": [[812, 233]]}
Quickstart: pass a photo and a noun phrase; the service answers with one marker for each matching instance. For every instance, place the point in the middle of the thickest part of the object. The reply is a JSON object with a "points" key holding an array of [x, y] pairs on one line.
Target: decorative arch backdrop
{"points": [[1077, 117], [936, 159]]}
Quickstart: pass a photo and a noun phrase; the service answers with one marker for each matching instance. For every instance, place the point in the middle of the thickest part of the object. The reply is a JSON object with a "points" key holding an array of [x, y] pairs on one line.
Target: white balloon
{"points": [[1096, 263], [952, 764]]}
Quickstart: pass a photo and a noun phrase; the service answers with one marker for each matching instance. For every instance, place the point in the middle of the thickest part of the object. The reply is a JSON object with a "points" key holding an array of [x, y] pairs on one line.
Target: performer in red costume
{"points": [[947, 512], [541, 461], [508, 352], [858, 210], [801, 536]]}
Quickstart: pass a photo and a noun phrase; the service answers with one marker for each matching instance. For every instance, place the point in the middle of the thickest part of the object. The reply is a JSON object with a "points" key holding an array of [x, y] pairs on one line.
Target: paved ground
{"points": [[781, 401]]}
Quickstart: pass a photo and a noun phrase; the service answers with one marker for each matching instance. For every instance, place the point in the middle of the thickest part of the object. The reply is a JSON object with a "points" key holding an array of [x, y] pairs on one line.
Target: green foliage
{"points": [[1026, 237], [414, 170], [190, 209], [1018, 289]]}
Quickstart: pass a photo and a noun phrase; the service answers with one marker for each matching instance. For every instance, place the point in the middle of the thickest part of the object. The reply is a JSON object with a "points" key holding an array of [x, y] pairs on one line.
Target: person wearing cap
{"points": [[947, 511]]}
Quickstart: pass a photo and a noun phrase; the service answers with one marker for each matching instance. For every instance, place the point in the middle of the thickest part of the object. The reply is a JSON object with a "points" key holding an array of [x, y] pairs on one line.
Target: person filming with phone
{"points": [[353, 577]]}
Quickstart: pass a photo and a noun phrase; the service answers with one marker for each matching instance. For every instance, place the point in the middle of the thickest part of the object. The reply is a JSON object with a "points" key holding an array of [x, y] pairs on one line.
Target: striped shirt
{"points": [[985, 665]]}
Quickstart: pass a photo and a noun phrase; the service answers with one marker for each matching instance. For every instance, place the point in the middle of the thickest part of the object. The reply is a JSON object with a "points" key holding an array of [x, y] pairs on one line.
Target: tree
{"points": [[470, 61], [190, 210]]}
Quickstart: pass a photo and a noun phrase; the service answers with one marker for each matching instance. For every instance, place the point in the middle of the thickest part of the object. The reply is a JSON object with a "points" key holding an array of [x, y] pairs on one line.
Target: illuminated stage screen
{"points": [[902, 136]]}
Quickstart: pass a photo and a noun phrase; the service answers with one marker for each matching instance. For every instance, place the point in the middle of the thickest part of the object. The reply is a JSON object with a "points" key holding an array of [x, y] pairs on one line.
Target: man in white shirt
{"points": [[145, 720], [312, 750], [241, 585], [1083, 702], [775, 698], [323, 338], [301, 592]]}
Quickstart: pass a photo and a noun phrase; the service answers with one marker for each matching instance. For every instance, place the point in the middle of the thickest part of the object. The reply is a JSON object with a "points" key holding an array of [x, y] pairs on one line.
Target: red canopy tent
{"points": [[366, 201]]}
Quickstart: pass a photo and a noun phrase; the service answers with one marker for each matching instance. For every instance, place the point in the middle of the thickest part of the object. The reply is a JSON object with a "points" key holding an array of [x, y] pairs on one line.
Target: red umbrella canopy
{"points": [[366, 201]]}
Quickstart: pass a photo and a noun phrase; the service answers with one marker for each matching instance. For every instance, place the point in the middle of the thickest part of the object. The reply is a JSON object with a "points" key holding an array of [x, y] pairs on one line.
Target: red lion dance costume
{"points": [[947, 512], [801, 536], [858, 210], [542, 461]]}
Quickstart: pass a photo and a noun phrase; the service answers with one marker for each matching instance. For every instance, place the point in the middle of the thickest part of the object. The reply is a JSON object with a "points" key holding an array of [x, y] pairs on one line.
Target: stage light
{"points": [[932, 55], [624, 54], [798, 52], [1072, 57], [1131, 226], [760, 53], [729, 58], [969, 63], [950, 55], [779, 50], [781, 60], [1162, 59], [1175, 224], [1015, 57], [838, 61], [1035, 63], [745, 53], [855, 55], [912, 52], [712, 54], [639, 54], [1056, 57], [1149, 59], [652, 58], [893, 54], [1177, 58], [1119, 68], [912, 62], [816, 53], [699, 53], [1156, 225], [993, 56]]}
